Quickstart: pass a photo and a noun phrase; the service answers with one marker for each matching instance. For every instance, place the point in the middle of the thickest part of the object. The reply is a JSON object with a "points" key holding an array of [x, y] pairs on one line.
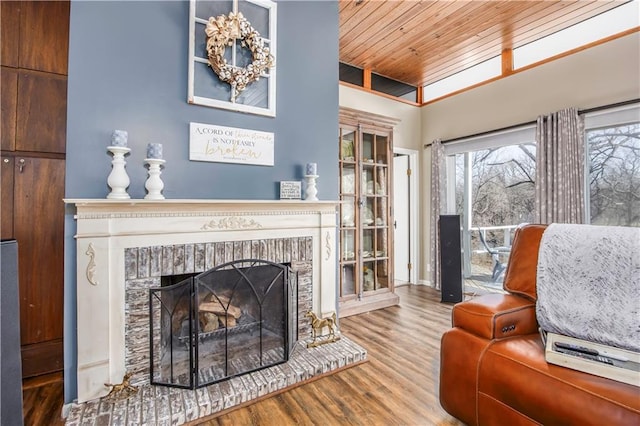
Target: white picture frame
{"points": [[264, 89]]}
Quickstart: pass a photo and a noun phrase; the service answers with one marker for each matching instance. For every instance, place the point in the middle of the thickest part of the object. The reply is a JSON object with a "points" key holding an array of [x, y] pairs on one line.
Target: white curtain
{"points": [[560, 167], [437, 187]]}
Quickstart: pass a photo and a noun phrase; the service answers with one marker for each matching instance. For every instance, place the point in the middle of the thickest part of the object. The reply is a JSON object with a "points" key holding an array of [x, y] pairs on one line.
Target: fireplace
{"points": [[175, 266], [230, 320], [125, 247]]}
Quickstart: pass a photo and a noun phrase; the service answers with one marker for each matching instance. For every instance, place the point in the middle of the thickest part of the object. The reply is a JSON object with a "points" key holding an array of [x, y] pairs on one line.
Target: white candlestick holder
{"points": [[311, 192], [154, 184], [118, 179]]}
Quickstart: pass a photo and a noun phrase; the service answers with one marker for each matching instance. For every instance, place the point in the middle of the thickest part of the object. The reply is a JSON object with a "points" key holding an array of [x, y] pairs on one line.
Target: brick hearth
{"points": [[160, 405]]}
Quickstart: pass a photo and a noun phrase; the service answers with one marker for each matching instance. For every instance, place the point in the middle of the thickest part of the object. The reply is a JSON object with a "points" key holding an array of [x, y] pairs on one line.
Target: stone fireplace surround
{"points": [[144, 267], [116, 242]]}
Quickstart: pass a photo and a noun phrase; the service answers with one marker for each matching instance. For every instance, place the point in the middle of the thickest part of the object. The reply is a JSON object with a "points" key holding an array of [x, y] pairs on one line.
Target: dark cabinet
{"points": [[41, 120], [44, 36], [33, 214], [9, 98], [34, 42]]}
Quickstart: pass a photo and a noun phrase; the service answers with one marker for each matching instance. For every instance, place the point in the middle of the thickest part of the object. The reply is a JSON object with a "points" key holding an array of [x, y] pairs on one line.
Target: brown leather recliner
{"points": [[492, 365]]}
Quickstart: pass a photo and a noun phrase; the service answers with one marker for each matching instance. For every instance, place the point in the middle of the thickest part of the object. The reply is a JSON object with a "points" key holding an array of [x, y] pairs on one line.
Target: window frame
{"points": [[517, 135], [270, 76]]}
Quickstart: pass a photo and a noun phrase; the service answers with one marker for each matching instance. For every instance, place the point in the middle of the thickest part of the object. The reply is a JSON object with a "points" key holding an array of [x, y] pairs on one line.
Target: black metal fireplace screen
{"points": [[233, 319]]}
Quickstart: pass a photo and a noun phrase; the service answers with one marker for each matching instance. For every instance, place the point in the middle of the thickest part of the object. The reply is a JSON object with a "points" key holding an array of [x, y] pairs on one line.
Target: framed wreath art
{"points": [[221, 32], [231, 65]]}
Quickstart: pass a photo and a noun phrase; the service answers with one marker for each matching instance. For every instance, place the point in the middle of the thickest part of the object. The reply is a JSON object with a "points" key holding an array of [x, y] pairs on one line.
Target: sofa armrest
{"points": [[495, 316]]}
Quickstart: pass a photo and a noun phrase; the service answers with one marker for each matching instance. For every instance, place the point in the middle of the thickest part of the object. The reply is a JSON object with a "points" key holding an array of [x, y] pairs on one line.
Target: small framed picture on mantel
{"points": [[290, 190]]}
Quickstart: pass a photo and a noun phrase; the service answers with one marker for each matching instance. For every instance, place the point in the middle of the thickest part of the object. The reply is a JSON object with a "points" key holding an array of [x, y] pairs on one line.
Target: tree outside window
{"points": [[614, 175], [502, 185], [502, 192]]}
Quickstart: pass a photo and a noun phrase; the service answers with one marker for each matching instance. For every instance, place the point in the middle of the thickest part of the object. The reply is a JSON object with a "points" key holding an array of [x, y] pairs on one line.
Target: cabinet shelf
{"points": [[366, 279]]}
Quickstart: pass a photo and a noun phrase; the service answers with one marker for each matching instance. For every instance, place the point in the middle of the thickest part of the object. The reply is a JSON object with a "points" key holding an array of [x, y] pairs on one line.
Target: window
{"points": [[491, 185], [613, 21], [351, 74], [614, 175], [491, 180], [612, 187], [204, 86], [494, 193], [393, 87], [466, 78], [502, 185], [379, 83]]}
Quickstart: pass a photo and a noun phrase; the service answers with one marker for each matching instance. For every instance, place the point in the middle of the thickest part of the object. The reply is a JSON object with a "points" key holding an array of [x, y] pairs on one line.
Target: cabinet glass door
{"points": [[349, 211], [365, 242], [375, 212], [347, 144]]}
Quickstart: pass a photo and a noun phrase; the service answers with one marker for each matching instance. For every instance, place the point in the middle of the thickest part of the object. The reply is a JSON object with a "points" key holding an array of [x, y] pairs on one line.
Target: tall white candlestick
{"points": [[118, 179], [311, 191], [154, 184]]}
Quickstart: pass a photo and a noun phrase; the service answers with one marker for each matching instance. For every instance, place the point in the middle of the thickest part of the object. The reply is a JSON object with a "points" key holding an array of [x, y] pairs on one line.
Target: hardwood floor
{"points": [[397, 386], [42, 399]]}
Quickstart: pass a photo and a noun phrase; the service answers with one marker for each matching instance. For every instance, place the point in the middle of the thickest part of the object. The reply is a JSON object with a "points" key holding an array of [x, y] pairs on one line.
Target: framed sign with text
{"points": [[221, 144], [290, 190]]}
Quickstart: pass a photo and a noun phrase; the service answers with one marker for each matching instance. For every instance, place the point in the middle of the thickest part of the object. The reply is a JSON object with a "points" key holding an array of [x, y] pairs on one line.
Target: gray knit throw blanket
{"points": [[588, 283]]}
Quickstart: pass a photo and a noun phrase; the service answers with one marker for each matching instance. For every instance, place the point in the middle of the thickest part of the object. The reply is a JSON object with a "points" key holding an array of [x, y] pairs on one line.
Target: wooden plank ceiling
{"points": [[420, 42]]}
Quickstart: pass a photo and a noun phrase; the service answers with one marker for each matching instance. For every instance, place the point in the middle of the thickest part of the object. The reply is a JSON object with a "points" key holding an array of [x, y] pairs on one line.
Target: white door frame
{"points": [[413, 210]]}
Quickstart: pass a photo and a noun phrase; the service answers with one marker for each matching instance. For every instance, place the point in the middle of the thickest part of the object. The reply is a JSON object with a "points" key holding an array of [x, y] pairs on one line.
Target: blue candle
{"points": [[154, 150], [312, 169], [119, 138]]}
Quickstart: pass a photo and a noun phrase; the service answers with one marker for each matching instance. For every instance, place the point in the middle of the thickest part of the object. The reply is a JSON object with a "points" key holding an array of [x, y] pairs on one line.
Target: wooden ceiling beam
{"points": [[507, 62]]}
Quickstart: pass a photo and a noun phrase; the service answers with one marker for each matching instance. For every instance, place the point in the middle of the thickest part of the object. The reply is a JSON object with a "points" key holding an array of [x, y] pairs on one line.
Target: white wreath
{"points": [[221, 32]]}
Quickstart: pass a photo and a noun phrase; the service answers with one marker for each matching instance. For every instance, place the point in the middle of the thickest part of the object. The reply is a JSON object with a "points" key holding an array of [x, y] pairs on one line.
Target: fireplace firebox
{"points": [[230, 320]]}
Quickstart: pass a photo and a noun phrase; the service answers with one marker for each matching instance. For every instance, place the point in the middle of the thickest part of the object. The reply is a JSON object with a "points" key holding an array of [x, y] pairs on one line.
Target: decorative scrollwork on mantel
{"points": [[91, 266], [232, 222], [327, 245]]}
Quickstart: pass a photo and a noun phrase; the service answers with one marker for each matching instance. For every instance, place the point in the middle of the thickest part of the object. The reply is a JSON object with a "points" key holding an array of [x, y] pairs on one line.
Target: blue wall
{"points": [[128, 70]]}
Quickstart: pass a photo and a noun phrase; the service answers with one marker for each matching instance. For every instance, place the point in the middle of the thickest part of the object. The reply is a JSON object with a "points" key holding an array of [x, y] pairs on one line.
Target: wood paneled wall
{"points": [[34, 46]]}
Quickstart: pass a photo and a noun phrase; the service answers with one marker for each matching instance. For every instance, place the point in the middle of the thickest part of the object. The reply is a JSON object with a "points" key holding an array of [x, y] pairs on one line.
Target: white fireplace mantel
{"points": [[106, 227]]}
